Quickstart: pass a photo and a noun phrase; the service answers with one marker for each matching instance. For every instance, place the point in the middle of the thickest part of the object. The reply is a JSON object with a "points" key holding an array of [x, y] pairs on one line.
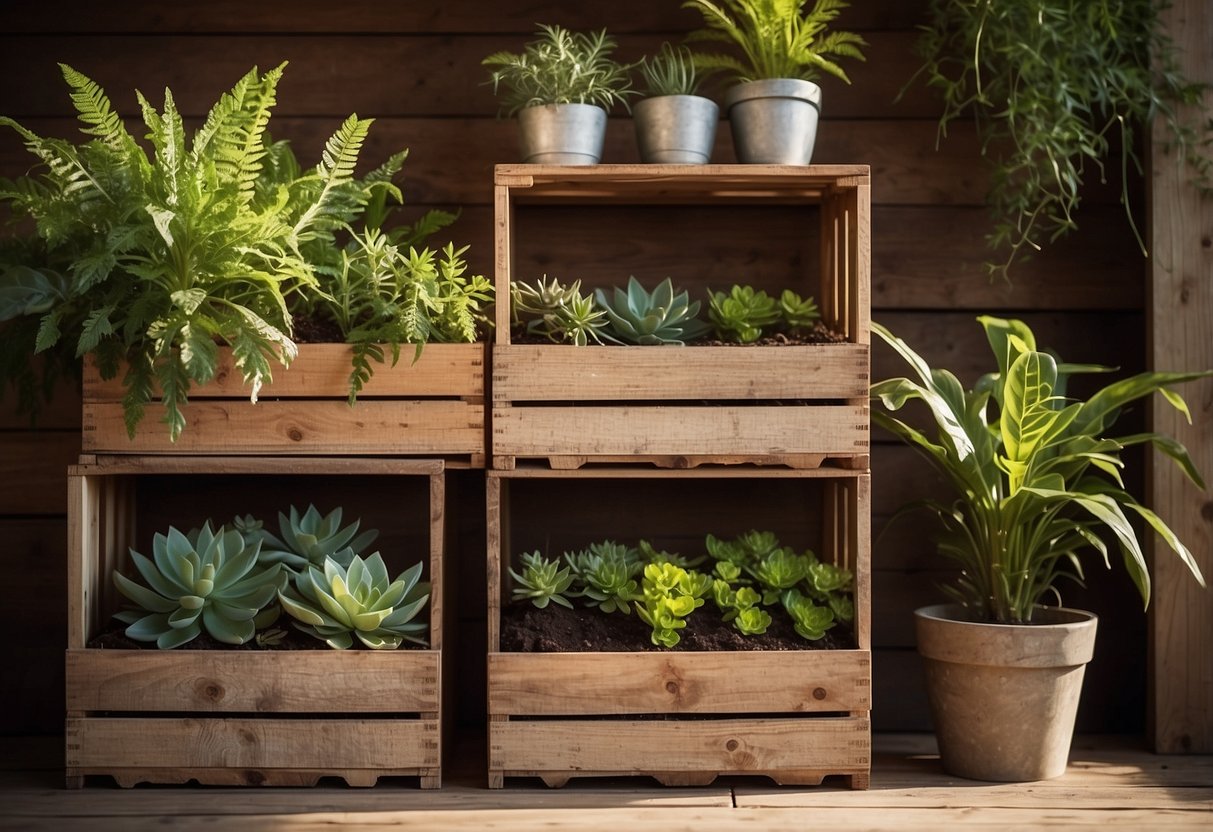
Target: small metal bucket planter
{"points": [[562, 134], [676, 129], [774, 121]]}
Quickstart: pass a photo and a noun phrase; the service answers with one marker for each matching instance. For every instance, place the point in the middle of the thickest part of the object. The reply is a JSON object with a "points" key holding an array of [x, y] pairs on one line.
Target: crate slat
{"points": [[535, 684]]}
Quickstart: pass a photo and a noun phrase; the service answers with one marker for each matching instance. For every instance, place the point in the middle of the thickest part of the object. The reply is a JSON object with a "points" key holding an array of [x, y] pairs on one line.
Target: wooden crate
{"points": [[795, 406], [684, 717], [239, 717], [431, 408]]}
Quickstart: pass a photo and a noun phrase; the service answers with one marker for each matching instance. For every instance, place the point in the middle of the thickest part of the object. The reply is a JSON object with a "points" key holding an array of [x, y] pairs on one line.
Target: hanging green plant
{"points": [[1058, 90]]}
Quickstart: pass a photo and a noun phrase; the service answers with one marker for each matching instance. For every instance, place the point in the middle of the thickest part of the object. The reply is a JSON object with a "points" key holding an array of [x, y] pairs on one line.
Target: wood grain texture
{"points": [[565, 684], [1181, 326], [235, 682]]}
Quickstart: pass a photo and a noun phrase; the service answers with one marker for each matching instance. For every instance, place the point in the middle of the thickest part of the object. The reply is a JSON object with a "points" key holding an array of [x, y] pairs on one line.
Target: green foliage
{"points": [[211, 581], [608, 570], [340, 603], [810, 621], [776, 38], [651, 554], [1035, 474], [742, 314], [670, 72], [660, 317], [670, 595], [158, 258], [542, 580], [779, 570], [557, 312], [1056, 88], [309, 539], [798, 314], [560, 67]]}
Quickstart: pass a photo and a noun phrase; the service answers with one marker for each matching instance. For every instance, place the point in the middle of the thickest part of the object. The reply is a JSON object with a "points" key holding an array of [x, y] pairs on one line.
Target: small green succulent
{"points": [[752, 621], [559, 313], [758, 545], [799, 314], [309, 538], [779, 570], [742, 314], [542, 581], [671, 593], [212, 582], [809, 620], [660, 317], [611, 584], [339, 603]]}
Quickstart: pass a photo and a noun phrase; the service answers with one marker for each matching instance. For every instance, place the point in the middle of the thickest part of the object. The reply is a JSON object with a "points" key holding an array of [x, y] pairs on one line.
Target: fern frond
{"points": [[96, 326], [336, 168], [174, 393], [93, 109], [138, 385]]}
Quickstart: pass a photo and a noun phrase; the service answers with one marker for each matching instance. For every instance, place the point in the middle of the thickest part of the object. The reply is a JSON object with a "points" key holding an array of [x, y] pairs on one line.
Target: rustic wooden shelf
{"points": [[240, 717]]}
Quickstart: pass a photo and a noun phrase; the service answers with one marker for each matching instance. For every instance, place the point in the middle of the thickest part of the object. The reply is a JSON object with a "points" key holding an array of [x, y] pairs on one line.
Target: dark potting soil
{"points": [[556, 629], [115, 638], [819, 334]]}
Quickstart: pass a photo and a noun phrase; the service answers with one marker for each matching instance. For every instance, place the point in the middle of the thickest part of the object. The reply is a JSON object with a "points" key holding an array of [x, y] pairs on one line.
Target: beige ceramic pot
{"points": [[1004, 696]]}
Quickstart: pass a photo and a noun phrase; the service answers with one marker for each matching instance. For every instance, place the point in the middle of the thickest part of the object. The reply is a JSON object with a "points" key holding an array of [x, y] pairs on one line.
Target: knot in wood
{"points": [[819, 693], [253, 778], [295, 435], [209, 690], [732, 745], [672, 687]]}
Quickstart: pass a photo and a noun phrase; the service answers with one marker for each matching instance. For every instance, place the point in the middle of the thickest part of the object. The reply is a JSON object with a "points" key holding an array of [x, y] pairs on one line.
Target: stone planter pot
{"points": [[676, 129], [774, 121], [562, 134], [1004, 696]]}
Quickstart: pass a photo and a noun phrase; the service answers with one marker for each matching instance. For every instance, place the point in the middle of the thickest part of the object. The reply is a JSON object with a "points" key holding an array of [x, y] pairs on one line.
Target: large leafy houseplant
{"points": [[1034, 474], [1057, 90], [153, 261], [780, 50]]}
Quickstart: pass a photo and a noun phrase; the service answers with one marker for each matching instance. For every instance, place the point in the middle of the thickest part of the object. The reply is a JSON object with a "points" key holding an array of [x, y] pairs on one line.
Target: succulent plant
{"points": [[660, 317], [752, 621], [799, 314], [340, 603], [809, 620], [671, 593], [309, 538], [213, 582], [542, 581], [742, 314], [779, 570], [610, 584], [559, 313]]}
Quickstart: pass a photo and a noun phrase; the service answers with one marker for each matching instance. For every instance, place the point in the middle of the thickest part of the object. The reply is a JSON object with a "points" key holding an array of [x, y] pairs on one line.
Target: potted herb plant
{"points": [[184, 272], [1035, 481], [773, 110], [674, 125], [1058, 93], [561, 87]]}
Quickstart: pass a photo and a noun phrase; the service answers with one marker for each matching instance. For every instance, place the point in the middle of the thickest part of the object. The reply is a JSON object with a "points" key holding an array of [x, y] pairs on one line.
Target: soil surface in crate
{"points": [[555, 629], [292, 639], [820, 334]]}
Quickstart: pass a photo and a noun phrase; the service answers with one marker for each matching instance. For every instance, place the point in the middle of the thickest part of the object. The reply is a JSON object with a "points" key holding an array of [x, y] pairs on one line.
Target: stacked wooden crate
{"points": [[790, 414]]}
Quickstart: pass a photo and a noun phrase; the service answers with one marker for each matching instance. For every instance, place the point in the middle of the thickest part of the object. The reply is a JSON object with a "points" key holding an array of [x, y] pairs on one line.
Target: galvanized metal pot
{"points": [[676, 129], [1004, 696], [562, 134], [774, 121]]}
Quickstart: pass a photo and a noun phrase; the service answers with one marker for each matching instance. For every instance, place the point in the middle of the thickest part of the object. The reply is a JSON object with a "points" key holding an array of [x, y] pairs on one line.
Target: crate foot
{"points": [[684, 778], [496, 779], [555, 781], [797, 777], [859, 781], [73, 781], [431, 781]]}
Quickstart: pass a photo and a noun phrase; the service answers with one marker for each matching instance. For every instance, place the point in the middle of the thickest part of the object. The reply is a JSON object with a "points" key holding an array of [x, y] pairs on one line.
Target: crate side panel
{"points": [[296, 427], [322, 371], [671, 682], [555, 373], [730, 746], [100, 744], [231, 681], [724, 430]]}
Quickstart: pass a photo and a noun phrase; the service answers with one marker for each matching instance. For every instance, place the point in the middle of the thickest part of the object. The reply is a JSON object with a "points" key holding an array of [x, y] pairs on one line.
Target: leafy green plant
{"points": [[1057, 91], [559, 313], [341, 603], [742, 314], [608, 571], [560, 67], [776, 38], [1034, 474], [542, 581], [670, 72], [798, 314], [660, 317], [310, 538], [211, 582], [809, 620], [741, 607], [779, 570], [671, 593]]}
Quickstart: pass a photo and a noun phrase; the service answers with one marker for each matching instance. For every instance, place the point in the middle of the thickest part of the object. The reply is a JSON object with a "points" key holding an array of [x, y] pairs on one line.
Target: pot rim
{"points": [[945, 634], [1054, 616], [794, 88]]}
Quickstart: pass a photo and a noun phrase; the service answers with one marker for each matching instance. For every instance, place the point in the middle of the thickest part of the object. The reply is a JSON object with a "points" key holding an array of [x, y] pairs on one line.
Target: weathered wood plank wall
{"points": [[415, 67]]}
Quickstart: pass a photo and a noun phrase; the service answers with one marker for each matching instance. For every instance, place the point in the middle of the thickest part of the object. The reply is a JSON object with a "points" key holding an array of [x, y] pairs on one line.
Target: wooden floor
{"points": [[1111, 783]]}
